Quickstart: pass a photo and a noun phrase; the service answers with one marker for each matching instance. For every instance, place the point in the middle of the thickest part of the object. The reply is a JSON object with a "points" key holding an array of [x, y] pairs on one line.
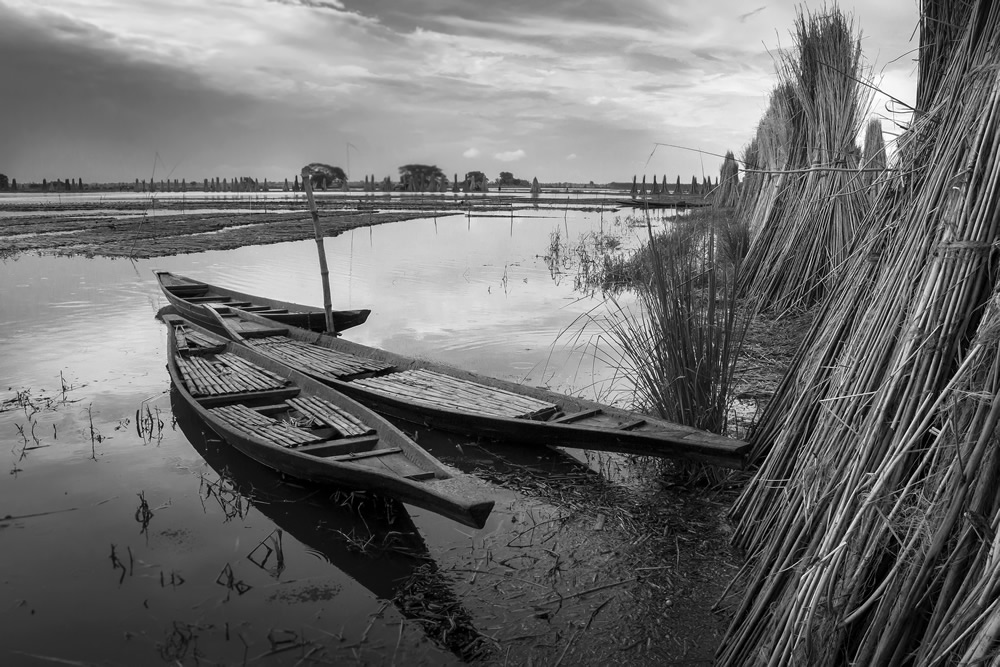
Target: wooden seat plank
{"points": [[356, 456], [340, 446], [576, 416]]}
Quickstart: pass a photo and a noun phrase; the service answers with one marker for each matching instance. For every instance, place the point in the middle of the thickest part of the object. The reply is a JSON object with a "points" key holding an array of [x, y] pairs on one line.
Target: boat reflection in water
{"points": [[370, 538]]}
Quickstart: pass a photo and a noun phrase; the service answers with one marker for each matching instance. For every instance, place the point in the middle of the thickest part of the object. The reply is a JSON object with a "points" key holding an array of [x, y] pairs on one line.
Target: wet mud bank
{"points": [[139, 229], [164, 235]]}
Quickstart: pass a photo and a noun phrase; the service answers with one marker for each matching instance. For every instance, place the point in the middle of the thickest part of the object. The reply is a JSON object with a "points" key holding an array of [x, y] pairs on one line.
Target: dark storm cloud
{"points": [[422, 13], [74, 102]]}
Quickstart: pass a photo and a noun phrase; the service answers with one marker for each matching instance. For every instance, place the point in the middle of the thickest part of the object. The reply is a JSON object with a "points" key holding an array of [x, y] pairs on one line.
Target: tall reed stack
{"points": [[809, 204], [727, 194], [873, 158], [873, 525]]}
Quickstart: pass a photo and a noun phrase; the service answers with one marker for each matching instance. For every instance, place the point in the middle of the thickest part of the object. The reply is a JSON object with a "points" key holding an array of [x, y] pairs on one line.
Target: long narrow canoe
{"points": [[394, 553], [190, 297], [446, 398], [305, 429]]}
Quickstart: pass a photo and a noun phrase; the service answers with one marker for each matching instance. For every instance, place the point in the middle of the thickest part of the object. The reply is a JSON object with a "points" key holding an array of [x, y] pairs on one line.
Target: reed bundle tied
{"points": [[810, 204], [727, 194], [873, 526], [873, 157]]}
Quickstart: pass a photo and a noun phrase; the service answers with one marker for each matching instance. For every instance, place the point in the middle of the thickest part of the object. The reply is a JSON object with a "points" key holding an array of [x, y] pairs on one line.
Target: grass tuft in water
{"points": [[678, 346]]}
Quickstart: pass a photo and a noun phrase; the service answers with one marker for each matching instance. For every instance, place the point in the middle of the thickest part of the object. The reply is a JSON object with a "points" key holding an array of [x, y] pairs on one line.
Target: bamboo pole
{"points": [[323, 270]]}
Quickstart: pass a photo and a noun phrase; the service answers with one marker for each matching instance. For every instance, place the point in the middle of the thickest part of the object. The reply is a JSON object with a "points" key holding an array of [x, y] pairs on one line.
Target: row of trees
{"points": [[412, 178]]}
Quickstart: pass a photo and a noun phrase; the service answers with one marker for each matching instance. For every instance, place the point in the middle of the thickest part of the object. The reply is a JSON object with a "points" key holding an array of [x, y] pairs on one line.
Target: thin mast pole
{"points": [[323, 270]]}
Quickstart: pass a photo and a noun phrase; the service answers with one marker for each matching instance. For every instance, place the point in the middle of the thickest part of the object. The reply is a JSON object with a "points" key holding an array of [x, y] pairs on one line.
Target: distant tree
{"points": [[422, 177], [79, 184], [325, 176], [475, 181], [4, 184], [677, 187], [296, 186], [507, 178], [45, 184], [13, 184], [694, 185]]}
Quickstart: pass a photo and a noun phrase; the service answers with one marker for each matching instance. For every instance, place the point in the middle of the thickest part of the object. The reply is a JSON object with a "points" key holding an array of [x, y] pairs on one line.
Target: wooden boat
{"points": [[371, 539], [450, 399], [189, 297], [305, 429]]}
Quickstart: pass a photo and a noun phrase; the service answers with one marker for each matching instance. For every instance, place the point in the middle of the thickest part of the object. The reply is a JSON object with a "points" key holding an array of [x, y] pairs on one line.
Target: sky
{"points": [[562, 90]]}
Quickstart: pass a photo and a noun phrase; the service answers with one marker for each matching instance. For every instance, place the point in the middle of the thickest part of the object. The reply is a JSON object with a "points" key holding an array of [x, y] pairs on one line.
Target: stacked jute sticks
{"points": [[809, 198], [873, 525]]}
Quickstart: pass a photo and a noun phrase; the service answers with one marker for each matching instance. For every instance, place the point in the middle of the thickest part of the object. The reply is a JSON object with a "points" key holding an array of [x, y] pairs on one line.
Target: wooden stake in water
{"points": [[323, 270]]}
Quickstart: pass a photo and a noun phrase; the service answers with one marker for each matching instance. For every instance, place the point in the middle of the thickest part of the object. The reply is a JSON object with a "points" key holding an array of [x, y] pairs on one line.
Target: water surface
{"points": [[128, 539]]}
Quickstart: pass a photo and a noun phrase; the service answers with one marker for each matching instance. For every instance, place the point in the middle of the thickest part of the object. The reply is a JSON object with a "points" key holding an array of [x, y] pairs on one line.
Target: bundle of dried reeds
{"points": [[727, 194], [802, 228], [872, 525], [873, 159], [775, 151]]}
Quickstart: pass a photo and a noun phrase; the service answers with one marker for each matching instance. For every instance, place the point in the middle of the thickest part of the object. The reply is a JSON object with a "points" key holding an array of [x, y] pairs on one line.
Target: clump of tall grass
{"points": [[678, 345], [597, 258]]}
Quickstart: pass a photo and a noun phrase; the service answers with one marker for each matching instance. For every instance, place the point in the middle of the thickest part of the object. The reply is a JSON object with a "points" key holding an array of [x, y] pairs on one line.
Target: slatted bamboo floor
{"points": [[417, 385], [251, 422], [225, 373], [444, 391], [190, 340], [316, 360], [325, 413]]}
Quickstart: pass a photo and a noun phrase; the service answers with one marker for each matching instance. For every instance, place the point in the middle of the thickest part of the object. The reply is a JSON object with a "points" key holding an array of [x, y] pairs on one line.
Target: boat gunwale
{"points": [[195, 311]]}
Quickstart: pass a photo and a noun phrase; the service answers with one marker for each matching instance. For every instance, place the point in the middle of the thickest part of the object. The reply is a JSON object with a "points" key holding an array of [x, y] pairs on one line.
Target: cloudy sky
{"points": [[562, 90]]}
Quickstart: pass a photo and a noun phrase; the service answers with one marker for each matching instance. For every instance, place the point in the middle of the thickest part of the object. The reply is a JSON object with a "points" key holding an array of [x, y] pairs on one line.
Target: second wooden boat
{"points": [[453, 400], [305, 429], [190, 297]]}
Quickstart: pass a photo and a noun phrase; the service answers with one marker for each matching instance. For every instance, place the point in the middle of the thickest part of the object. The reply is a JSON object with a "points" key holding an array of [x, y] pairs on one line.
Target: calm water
{"points": [[122, 543]]}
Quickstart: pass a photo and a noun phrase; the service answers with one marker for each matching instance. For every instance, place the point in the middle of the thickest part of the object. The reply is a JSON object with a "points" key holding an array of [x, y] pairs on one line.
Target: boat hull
{"points": [[174, 288], [573, 422], [432, 493]]}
